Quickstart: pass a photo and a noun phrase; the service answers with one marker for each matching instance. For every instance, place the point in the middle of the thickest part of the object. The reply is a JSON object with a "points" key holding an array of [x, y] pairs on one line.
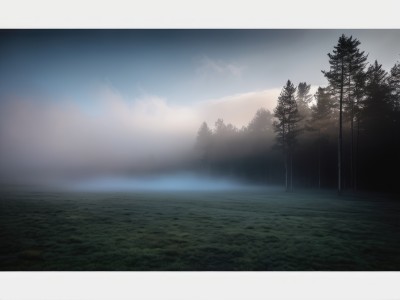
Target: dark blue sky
{"points": [[179, 65]]}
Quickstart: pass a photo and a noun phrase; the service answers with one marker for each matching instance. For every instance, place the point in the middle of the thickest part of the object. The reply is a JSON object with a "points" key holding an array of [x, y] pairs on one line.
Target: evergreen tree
{"points": [[303, 98], [377, 109], [377, 128], [286, 127], [394, 85], [262, 122], [203, 142], [337, 75], [355, 64], [321, 120], [359, 98], [394, 82]]}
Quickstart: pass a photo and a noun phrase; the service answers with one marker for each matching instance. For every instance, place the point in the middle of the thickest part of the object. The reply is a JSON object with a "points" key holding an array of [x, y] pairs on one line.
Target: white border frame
{"points": [[335, 14]]}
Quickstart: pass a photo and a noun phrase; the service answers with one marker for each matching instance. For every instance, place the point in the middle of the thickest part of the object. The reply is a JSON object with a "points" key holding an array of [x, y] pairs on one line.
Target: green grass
{"points": [[240, 230]]}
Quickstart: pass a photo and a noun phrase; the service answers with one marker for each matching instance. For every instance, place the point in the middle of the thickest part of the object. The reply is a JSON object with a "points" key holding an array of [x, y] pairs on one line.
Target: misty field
{"points": [[238, 230]]}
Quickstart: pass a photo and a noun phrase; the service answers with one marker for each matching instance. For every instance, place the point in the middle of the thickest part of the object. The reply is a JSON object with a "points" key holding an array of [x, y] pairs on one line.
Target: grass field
{"points": [[238, 230]]}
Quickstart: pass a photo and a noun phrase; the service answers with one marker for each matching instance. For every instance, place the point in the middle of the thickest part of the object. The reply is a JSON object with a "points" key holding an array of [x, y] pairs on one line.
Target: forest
{"points": [[344, 136]]}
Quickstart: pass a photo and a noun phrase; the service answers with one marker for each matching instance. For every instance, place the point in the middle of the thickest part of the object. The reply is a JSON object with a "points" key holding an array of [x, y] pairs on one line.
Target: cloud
{"points": [[237, 109], [50, 139], [209, 66]]}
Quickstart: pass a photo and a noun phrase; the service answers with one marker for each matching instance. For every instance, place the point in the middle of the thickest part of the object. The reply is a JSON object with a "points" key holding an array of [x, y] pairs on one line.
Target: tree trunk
{"points": [[352, 154], [356, 156], [286, 171], [291, 171], [319, 159], [285, 151], [351, 138], [340, 132]]}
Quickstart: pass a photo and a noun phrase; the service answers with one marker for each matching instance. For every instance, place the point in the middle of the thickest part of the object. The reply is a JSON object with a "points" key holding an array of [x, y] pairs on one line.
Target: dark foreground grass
{"points": [[239, 230]]}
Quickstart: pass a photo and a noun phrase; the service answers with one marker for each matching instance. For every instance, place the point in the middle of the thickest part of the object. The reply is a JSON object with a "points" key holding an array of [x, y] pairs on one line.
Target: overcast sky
{"points": [[98, 99]]}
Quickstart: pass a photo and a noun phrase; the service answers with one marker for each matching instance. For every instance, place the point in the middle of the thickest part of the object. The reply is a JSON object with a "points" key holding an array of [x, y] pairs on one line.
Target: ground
{"points": [[235, 230]]}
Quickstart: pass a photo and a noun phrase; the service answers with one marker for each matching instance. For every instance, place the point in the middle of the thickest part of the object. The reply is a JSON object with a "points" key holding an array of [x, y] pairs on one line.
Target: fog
{"points": [[181, 181], [44, 141]]}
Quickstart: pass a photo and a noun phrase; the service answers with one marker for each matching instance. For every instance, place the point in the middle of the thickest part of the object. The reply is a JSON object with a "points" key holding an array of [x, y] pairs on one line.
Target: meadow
{"points": [[197, 231]]}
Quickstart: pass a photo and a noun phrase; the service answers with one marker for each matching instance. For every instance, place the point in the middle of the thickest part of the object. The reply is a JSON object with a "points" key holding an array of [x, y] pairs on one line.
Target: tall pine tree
{"points": [[377, 125], [346, 63], [321, 121], [394, 82], [304, 98], [359, 97], [286, 128], [376, 114], [355, 63], [337, 80]]}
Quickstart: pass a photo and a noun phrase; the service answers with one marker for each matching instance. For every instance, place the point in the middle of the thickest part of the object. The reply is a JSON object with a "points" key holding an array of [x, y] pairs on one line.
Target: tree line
{"points": [[346, 135]]}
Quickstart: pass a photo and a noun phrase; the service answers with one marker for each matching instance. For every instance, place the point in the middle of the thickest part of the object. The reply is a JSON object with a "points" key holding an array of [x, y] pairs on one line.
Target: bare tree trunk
{"points": [[351, 143], [356, 156], [319, 158], [291, 171], [340, 132], [285, 151], [286, 171], [351, 103]]}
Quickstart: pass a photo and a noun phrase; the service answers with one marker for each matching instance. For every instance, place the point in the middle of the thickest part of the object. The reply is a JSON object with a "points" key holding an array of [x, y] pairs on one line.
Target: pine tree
{"points": [[286, 127], [346, 61], [336, 77], [304, 98], [394, 85], [376, 113], [394, 82], [359, 97], [203, 142], [355, 64], [377, 125], [261, 123], [321, 120]]}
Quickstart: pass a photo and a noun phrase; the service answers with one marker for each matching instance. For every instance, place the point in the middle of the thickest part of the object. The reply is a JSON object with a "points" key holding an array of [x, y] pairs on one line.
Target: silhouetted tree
{"points": [[377, 125], [203, 142], [262, 122], [377, 104], [225, 145], [337, 76], [224, 130], [286, 127], [260, 133], [355, 64], [304, 98], [322, 118], [359, 97], [394, 82], [394, 85]]}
